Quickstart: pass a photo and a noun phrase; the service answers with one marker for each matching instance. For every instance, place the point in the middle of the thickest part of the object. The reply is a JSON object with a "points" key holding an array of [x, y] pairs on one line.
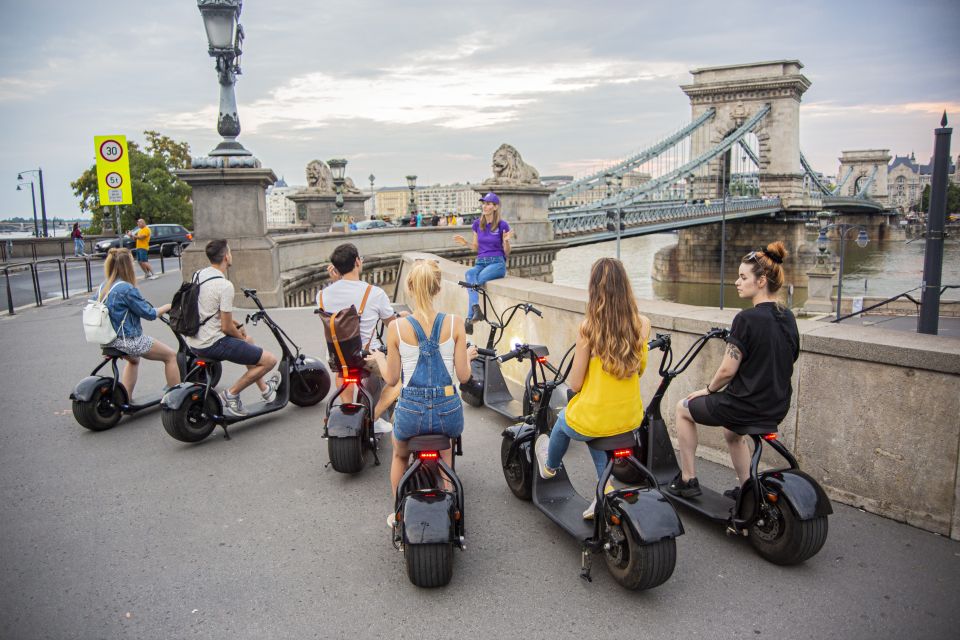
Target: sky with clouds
{"points": [[433, 88]]}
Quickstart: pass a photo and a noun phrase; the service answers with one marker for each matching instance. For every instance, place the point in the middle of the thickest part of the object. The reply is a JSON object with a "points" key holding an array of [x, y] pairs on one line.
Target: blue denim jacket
{"points": [[126, 300]]}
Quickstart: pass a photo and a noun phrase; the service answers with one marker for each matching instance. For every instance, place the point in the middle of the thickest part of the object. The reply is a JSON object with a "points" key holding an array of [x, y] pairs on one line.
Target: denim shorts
{"points": [[232, 350], [417, 415], [140, 255]]}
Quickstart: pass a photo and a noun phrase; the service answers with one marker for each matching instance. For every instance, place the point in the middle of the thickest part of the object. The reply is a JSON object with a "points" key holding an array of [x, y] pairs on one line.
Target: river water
{"points": [[879, 270]]}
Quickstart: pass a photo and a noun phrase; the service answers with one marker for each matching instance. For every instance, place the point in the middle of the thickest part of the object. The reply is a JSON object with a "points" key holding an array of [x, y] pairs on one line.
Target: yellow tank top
{"points": [[607, 405]]}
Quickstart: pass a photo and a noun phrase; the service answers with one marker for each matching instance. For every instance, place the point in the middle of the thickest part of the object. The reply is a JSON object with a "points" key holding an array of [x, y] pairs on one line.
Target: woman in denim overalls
{"points": [[429, 402]]}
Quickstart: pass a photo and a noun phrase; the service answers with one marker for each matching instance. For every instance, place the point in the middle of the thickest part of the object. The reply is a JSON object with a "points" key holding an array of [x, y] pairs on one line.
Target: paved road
{"points": [[21, 284], [130, 534]]}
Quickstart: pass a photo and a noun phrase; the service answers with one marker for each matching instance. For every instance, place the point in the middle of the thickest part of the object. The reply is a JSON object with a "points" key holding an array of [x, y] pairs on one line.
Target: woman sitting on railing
{"points": [[491, 239]]}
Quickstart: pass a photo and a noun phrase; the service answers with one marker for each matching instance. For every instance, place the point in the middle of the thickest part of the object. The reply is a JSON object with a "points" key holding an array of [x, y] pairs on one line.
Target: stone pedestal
{"points": [[524, 207], [231, 204], [820, 285], [317, 208]]}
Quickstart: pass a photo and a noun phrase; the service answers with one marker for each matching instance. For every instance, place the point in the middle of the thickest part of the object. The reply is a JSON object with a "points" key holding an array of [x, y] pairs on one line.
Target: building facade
{"points": [[460, 199], [281, 210], [907, 179]]}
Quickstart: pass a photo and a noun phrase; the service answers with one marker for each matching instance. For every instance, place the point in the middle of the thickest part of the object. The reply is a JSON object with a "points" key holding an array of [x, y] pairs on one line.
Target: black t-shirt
{"points": [[769, 343]]}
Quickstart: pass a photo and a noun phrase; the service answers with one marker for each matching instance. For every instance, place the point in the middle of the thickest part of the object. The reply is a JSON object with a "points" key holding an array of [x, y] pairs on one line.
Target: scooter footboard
{"points": [[428, 518], [346, 421], [83, 392], [179, 394], [805, 496], [650, 516]]}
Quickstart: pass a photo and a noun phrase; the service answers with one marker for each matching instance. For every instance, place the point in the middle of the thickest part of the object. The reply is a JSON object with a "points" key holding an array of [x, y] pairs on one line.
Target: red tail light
{"points": [[351, 380], [351, 376], [622, 453], [542, 359], [189, 236], [429, 455], [769, 436], [201, 363]]}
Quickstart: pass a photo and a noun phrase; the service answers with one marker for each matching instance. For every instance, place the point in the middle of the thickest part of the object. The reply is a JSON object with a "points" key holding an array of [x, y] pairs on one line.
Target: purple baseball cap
{"points": [[491, 197]]}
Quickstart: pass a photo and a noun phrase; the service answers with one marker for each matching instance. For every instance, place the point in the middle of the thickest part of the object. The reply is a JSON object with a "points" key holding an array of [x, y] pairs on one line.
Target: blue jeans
{"points": [[485, 270], [560, 439], [78, 246]]}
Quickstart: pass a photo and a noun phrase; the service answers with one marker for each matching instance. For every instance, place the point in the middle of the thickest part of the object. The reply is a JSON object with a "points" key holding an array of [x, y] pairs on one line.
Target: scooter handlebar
{"points": [[490, 353], [467, 285], [529, 308], [661, 341], [510, 356]]}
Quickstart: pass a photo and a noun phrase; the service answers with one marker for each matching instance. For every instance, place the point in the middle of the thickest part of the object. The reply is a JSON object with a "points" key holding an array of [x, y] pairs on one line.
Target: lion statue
{"points": [[509, 168], [320, 178]]}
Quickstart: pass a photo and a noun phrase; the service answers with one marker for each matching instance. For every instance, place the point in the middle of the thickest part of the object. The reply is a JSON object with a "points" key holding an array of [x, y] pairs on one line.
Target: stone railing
{"points": [[875, 415], [20, 249]]}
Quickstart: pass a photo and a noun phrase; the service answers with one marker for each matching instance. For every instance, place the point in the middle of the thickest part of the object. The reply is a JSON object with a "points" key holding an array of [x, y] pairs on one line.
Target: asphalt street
{"points": [[128, 533]]}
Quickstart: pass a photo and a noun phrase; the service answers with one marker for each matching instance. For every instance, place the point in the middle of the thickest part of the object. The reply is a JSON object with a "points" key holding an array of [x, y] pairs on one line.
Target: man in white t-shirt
{"points": [[218, 337], [348, 289]]}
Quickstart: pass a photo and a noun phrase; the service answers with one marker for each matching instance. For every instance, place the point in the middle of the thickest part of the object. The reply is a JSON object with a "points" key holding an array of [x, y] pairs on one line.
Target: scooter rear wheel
{"points": [[308, 388], [346, 454], [429, 565], [637, 566], [102, 411], [517, 472], [192, 421], [784, 539]]}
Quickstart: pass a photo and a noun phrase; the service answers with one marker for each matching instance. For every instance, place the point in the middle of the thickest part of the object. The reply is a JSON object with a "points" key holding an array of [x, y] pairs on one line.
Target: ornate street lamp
{"points": [[412, 204], [225, 35], [373, 200], [338, 167], [43, 201]]}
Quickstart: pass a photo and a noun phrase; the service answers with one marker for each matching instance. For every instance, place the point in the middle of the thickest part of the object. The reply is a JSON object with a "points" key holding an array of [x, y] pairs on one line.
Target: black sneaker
{"points": [[733, 494], [688, 489], [477, 314], [468, 326]]}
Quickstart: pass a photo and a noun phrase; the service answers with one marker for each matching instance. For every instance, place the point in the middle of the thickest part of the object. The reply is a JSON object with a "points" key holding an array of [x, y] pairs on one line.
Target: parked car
{"points": [[364, 225], [160, 234]]}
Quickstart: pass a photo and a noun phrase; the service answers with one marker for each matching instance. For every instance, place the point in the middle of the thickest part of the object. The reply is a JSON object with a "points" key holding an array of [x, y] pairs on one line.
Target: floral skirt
{"points": [[136, 346]]}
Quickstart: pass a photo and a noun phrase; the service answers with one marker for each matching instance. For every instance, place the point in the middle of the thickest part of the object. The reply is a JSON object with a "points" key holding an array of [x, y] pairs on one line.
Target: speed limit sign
{"points": [[113, 169]]}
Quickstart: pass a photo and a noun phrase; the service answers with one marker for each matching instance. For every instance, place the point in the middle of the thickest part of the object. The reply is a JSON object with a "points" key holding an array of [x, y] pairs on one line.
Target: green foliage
{"points": [[953, 199], [158, 195]]}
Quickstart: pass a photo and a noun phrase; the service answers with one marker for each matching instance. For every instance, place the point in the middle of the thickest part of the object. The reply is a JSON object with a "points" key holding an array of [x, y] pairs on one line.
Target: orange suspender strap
{"points": [[363, 303], [320, 299]]}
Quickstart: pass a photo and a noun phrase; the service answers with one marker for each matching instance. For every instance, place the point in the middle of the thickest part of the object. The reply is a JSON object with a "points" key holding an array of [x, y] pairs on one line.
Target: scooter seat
{"points": [[620, 441], [432, 442], [112, 353], [754, 430]]}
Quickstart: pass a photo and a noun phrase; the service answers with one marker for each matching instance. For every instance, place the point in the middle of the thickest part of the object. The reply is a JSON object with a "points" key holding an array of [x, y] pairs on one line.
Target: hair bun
{"points": [[776, 251]]}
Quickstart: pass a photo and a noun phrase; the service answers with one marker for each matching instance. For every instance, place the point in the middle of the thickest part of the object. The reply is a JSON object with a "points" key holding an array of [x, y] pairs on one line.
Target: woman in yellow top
{"points": [[611, 355]]}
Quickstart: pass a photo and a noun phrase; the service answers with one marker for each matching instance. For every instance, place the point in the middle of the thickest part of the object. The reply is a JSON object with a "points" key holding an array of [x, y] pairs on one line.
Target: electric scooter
{"points": [[191, 411], [635, 528], [100, 401], [429, 517], [487, 385], [783, 511]]}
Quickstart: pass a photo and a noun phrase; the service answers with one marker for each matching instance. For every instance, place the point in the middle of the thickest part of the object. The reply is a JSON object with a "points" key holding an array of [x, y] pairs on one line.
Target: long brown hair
{"points": [[612, 327], [423, 283], [494, 219], [768, 262], [119, 264]]}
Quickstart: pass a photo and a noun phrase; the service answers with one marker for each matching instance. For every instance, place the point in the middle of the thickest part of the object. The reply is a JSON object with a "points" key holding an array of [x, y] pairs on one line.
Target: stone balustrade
{"points": [[875, 416]]}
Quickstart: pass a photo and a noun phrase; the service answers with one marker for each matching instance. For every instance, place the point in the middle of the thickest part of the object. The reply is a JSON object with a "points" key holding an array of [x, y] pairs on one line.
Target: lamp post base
{"points": [[230, 148]]}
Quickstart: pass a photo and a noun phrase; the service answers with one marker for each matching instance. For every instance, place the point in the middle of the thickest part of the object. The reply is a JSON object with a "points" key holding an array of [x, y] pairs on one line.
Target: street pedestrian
{"points": [[77, 236], [142, 248], [127, 306], [610, 357], [429, 402], [491, 241], [756, 369]]}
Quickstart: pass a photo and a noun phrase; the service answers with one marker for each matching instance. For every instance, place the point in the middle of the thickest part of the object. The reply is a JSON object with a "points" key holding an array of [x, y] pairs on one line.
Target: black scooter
{"points": [[429, 517], [487, 385], [783, 511], [190, 411], [100, 401], [635, 527]]}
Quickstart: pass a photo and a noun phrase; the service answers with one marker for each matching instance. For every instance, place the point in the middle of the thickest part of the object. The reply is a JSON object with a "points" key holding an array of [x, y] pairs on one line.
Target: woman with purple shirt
{"points": [[491, 239]]}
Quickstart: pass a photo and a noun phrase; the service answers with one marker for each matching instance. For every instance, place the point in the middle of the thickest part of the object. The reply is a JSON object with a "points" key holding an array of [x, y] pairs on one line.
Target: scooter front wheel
{"points": [[192, 422], [636, 566], [517, 472], [429, 565], [102, 411], [780, 537], [308, 388]]}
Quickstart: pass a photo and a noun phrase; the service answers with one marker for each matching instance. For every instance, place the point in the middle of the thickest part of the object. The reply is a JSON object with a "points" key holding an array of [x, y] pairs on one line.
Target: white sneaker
{"points": [[270, 392], [541, 447], [152, 276], [588, 514], [382, 426], [392, 520]]}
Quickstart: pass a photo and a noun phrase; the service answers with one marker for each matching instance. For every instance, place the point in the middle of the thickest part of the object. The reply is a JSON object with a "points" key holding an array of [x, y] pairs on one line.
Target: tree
{"points": [[953, 199], [158, 195]]}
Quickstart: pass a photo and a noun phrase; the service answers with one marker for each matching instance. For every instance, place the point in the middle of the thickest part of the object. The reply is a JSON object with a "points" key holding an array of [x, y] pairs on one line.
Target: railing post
{"points": [[6, 273], [36, 284]]}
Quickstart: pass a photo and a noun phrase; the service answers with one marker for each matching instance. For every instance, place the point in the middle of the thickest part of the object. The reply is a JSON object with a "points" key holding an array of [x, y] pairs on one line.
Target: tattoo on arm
{"points": [[733, 352]]}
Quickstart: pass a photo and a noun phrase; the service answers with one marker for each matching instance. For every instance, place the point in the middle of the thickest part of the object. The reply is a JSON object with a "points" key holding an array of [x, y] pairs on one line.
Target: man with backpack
{"points": [[217, 336], [371, 304]]}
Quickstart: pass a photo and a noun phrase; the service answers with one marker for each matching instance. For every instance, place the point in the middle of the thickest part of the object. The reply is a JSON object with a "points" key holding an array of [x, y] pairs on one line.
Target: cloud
{"points": [[829, 109]]}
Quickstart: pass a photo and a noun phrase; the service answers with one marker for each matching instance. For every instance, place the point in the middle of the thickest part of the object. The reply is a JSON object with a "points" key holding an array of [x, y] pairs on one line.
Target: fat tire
{"points": [[519, 475], [346, 454], [429, 565], [317, 383], [90, 414], [186, 424], [627, 473], [799, 540], [647, 565]]}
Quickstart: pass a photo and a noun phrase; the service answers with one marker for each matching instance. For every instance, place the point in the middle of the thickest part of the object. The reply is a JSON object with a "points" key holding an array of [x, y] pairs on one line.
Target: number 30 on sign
{"points": [[113, 169]]}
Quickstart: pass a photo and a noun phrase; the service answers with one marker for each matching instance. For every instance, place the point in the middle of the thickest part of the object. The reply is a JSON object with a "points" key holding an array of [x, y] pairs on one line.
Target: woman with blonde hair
{"points": [[127, 306], [609, 359], [429, 402]]}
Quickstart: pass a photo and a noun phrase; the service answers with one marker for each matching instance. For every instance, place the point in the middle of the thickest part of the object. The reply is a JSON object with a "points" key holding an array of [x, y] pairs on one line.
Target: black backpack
{"points": [[185, 308]]}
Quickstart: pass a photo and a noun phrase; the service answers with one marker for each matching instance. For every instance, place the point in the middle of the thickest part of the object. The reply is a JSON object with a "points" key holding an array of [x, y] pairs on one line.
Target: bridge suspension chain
{"points": [[814, 177], [862, 193]]}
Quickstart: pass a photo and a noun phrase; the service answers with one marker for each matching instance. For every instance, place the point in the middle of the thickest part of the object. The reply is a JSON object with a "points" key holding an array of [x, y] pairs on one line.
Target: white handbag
{"points": [[97, 327]]}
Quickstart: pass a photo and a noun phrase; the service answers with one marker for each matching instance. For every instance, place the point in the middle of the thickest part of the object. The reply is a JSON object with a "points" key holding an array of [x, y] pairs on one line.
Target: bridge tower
{"points": [[867, 168], [737, 92]]}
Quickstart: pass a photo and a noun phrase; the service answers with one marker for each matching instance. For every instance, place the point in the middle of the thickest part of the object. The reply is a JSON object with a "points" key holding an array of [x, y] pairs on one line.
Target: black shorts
{"points": [[232, 350], [704, 411], [700, 410]]}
